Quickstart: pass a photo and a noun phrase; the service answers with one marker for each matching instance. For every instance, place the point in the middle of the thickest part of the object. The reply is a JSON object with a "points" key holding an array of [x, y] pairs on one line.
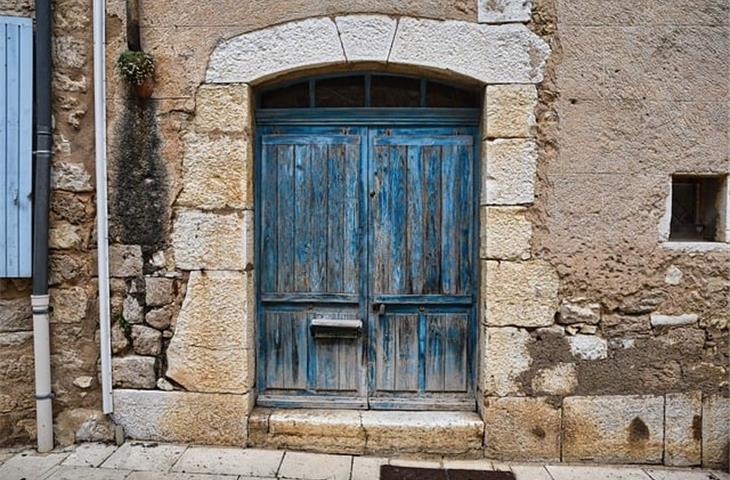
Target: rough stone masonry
{"points": [[598, 340]]}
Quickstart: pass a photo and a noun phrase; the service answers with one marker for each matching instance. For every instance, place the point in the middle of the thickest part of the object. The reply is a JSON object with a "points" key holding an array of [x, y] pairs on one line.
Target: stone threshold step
{"points": [[368, 432]]}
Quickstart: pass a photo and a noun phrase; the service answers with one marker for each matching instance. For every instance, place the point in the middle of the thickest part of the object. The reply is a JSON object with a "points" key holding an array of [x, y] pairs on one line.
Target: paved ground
{"points": [[148, 461]]}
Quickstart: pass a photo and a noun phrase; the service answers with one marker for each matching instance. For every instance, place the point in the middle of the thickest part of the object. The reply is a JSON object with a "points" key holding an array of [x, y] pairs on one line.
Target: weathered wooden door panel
{"points": [[422, 267], [310, 250]]}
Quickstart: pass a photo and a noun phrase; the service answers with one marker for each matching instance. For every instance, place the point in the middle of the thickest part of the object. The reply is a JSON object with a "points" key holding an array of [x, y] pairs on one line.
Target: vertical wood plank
{"points": [[351, 270], [294, 344], [335, 218], [434, 353], [386, 351], [318, 217], [415, 221], [12, 165], [406, 375], [4, 233], [381, 224], [327, 364], [25, 177], [449, 242], [284, 188], [464, 206], [398, 208], [455, 377], [269, 162], [303, 218], [432, 220], [274, 353]]}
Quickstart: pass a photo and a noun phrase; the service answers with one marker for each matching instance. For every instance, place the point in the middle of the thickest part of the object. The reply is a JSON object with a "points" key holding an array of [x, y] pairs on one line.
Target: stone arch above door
{"points": [[508, 53]]}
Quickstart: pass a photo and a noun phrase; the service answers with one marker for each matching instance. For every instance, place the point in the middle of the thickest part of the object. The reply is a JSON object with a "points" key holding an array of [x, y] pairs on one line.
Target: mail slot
{"points": [[324, 327]]}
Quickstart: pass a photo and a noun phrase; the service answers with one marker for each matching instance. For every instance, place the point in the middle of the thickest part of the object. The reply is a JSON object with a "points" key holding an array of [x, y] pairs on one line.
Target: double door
{"points": [[367, 267]]}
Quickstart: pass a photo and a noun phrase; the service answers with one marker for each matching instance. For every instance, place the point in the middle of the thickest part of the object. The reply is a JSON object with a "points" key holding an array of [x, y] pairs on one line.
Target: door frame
{"points": [[367, 117]]}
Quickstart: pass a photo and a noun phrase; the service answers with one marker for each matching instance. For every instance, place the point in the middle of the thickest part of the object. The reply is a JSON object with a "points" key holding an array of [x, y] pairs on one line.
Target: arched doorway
{"points": [[367, 243]]}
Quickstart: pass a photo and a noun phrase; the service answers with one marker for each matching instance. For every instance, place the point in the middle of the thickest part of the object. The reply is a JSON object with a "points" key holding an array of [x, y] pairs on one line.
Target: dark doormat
{"points": [[389, 472]]}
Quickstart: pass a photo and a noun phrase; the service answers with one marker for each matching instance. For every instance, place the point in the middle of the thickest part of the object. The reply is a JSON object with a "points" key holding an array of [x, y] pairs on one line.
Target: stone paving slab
{"points": [[367, 468], [665, 474], [567, 472], [26, 465], [89, 455], [185, 476], [313, 466], [530, 472], [466, 464], [85, 473], [229, 461], [145, 456]]}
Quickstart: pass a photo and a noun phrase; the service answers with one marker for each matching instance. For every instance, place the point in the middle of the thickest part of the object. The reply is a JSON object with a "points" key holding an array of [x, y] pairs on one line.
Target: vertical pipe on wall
{"points": [[102, 224], [134, 41], [41, 196]]}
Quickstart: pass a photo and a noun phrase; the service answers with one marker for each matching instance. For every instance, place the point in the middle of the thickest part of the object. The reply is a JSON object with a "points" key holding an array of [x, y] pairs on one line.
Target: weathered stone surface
{"points": [[506, 356], [523, 294], [252, 464], [72, 177], [304, 465], [715, 431], [132, 311], [84, 382], [160, 318], [67, 267], [613, 429], [82, 425], [158, 291], [134, 372], [508, 172], [422, 432], [507, 233], [63, 235], [673, 275], [503, 11], [68, 305], [331, 431], [125, 260], [588, 347], [579, 311], [217, 172], [69, 52], [182, 416], [560, 379], [119, 339], [683, 429], [146, 340], [366, 37], [619, 325], [256, 55], [519, 428], [658, 320], [15, 315], [491, 54], [223, 108], [510, 111], [210, 241], [208, 351]]}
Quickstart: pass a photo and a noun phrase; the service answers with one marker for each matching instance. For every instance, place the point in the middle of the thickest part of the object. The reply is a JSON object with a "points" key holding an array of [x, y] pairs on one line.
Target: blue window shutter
{"points": [[16, 146]]}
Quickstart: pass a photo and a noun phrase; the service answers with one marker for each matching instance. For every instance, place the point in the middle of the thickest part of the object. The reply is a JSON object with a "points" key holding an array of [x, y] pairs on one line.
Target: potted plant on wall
{"points": [[138, 69]]}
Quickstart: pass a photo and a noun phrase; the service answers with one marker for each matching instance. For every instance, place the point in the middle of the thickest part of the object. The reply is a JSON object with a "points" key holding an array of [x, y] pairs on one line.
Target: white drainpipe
{"points": [[42, 359], [102, 224]]}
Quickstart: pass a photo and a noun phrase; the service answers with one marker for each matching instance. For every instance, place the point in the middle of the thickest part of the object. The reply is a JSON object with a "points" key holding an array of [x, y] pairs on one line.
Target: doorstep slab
{"points": [[229, 461], [145, 457], [371, 432]]}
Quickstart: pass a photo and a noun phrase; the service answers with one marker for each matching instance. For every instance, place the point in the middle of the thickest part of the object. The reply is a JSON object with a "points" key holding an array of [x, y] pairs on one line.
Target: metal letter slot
{"points": [[323, 327]]}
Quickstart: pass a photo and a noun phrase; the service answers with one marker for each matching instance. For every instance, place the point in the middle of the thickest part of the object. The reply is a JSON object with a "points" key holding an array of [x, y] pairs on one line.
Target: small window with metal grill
{"points": [[698, 208]]}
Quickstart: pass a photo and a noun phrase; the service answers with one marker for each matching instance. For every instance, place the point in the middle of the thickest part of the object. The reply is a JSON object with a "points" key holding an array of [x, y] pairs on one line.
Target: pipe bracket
{"points": [[49, 396]]}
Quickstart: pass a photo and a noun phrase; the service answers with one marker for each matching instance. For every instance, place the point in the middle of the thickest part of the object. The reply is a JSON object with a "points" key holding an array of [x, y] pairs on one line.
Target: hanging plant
{"points": [[137, 68]]}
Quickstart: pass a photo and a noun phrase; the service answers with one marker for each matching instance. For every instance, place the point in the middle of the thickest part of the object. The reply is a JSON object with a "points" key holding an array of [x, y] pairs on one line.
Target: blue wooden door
{"points": [[16, 150], [422, 268], [366, 296]]}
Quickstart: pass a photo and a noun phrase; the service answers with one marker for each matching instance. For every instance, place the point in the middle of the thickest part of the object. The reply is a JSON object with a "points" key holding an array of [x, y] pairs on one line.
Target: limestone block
{"points": [[223, 108], [68, 305], [330, 431], [125, 260], [159, 318], [182, 416], [507, 233], [523, 294], [69, 52], [683, 429], [508, 172], [560, 379], [132, 311], [520, 428], [82, 425], [158, 291], [72, 177], [715, 431], [257, 55], [210, 241], [15, 314], [491, 54], [119, 339], [658, 320], [503, 11], [506, 356], [579, 311], [619, 325], [673, 275], [422, 432], [589, 347], [63, 235], [217, 172], [510, 111], [146, 340], [366, 37], [613, 429], [208, 352], [134, 372]]}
